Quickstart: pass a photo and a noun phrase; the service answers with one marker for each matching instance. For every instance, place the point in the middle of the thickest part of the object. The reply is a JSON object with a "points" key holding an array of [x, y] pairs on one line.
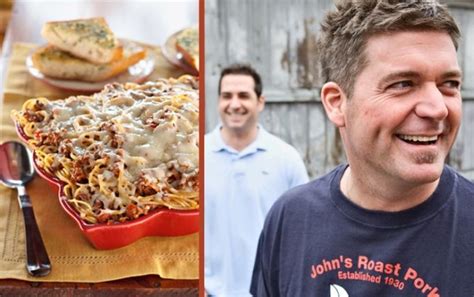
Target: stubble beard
{"points": [[426, 158]]}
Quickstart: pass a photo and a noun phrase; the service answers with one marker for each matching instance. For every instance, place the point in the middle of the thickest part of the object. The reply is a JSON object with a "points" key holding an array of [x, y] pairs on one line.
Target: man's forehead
{"points": [[378, 43], [237, 82], [411, 47]]}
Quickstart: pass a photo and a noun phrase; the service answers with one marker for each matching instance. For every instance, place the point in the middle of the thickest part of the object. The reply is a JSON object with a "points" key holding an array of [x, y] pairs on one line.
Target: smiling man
{"points": [[246, 170], [394, 221]]}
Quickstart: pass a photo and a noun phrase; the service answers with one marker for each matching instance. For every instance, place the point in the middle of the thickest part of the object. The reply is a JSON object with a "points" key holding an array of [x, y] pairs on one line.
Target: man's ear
{"points": [[334, 102], [261, 103]]}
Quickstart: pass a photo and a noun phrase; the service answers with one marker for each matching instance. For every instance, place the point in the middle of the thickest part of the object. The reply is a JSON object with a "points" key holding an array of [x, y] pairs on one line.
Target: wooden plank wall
{"points": [[278, 38]]}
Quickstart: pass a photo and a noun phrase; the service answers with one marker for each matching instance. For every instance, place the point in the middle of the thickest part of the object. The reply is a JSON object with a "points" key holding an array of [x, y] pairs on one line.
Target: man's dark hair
{"points": [[243, 69], [346, 30]]}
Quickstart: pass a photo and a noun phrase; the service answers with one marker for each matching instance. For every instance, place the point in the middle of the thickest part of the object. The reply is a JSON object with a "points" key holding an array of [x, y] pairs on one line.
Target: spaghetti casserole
{"points": [[122, 152]]}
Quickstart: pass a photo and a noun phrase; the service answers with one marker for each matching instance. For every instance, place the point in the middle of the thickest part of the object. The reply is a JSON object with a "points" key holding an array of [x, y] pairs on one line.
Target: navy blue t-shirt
{"points": [[316, 242]]}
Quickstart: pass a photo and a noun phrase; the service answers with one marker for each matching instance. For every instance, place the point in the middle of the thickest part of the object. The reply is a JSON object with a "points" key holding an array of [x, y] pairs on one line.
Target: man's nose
{"points": [[234, 102], [432, 103]]}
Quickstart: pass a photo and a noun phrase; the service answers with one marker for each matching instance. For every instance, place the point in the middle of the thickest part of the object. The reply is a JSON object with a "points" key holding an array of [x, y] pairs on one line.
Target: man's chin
{"points": [[424, 166], [422, 173], [237, 128]]}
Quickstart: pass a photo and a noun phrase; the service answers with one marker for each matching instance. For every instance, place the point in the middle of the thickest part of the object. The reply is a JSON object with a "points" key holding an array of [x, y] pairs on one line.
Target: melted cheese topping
{"points": [[122, 152]]}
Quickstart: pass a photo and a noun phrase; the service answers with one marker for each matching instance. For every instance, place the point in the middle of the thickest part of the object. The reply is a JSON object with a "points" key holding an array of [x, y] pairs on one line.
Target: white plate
{"points": [[175, 57], [136, 73]]}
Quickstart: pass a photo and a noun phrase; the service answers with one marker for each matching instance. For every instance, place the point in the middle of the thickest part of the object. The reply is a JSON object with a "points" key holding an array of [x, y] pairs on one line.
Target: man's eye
{"points": [[244, 95], [454, 84], [401, 85]]}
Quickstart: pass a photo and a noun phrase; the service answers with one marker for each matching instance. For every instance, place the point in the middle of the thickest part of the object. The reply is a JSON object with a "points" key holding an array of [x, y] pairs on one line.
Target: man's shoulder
{"points": [[464, 186], [211, 140], [278, 144], [464, 181], [211, 134], [208, 136], [270, 137], [315, 193]]}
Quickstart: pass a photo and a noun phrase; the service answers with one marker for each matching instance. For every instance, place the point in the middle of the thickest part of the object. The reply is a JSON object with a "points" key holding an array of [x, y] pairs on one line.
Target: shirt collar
{"points": [[262, 142]]}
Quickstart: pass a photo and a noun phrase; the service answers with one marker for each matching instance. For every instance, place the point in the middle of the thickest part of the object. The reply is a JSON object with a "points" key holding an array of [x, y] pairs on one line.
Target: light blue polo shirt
{"points": [[240, 188]]}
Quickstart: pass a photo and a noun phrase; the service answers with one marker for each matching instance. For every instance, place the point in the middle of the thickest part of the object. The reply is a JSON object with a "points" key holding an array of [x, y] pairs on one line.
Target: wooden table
{"points": [[151, 22], [149, 285]]}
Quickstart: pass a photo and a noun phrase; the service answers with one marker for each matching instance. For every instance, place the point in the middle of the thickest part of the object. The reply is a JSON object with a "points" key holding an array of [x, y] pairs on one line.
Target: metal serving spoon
{"points": [[15, 172]]}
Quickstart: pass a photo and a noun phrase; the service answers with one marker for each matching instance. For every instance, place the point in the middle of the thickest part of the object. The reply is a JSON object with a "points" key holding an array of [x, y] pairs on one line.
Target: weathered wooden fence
{"points": [[278, 38]]}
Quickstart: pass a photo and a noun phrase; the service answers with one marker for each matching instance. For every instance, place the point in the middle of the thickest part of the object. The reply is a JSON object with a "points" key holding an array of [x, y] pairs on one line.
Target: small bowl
{"points": [[159, 222]]}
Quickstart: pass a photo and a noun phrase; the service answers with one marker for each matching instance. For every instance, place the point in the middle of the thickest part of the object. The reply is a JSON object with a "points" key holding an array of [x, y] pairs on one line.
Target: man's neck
{"points": [[239, 140], [374, 193]]}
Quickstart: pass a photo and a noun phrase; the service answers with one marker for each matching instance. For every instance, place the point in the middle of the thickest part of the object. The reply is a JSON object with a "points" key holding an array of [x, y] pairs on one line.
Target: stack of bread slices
{"points": [[84, 50], [187, 43]]}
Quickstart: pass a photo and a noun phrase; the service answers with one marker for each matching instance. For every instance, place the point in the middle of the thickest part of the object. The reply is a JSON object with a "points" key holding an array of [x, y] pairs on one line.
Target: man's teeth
{"points": [[419, 138]]}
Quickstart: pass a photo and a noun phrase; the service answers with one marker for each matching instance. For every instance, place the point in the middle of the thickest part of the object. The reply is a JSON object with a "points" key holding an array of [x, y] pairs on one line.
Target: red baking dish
{"points": [[160, 222]]}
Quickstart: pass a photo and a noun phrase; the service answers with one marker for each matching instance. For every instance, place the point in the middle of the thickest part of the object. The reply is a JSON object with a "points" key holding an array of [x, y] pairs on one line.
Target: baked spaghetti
{"points": [[121, 152]]}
